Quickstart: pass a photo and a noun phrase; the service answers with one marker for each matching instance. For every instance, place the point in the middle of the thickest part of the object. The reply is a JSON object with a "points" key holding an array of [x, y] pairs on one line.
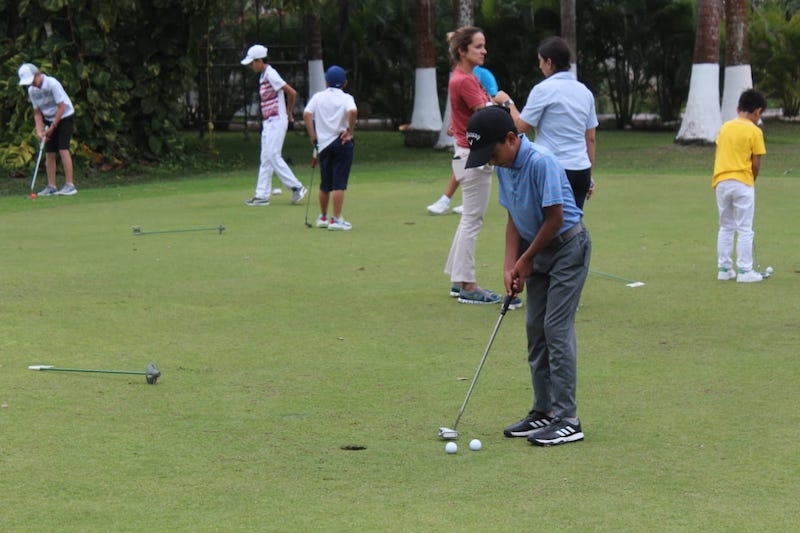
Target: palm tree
{"points": [[568, 32], [316, 69], [462, 16], [738, 74], [702, 118], [426, 120]]}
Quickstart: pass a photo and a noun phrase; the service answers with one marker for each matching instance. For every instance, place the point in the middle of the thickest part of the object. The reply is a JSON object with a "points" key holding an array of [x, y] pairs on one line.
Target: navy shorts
{"points": [[334, 165], [61, 137]]}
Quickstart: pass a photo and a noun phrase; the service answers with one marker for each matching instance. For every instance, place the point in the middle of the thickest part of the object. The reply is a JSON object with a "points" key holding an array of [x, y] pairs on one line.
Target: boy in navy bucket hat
{"points": [[330, 118]]}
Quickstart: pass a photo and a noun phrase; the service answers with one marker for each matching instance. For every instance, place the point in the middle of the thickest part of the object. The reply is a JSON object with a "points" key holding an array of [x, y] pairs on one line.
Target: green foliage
{"points": [[630, 44], [774, 42], [126, 89]]}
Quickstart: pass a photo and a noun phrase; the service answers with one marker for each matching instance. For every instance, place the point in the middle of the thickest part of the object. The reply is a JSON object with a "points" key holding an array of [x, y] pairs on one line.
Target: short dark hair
{"points": [[750, 100], [556, 50]]}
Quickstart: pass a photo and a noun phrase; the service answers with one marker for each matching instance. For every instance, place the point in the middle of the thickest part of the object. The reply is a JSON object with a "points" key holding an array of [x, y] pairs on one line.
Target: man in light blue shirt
{"points": [[548, 250]]}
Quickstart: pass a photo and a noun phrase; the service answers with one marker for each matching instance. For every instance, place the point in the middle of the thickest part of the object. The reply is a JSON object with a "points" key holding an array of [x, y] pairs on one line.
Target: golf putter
{"points": [[36, 169], [311, 184], [451, 433], [151, 373]]}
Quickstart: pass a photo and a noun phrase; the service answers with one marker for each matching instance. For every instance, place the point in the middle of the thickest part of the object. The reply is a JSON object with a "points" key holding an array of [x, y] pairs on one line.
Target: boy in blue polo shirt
{"points": [[548, 251]]}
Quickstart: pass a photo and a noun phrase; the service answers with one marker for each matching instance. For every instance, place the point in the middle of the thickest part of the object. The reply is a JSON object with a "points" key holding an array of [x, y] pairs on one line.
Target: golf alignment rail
{"points": [[503, 311]]}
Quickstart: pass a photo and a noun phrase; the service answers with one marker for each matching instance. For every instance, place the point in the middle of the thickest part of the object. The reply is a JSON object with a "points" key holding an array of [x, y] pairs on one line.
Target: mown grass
{"points": [[280, 344]]}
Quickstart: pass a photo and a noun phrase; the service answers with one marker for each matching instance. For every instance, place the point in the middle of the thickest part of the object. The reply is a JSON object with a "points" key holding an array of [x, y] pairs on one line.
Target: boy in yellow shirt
{"points": [[740, 145]]}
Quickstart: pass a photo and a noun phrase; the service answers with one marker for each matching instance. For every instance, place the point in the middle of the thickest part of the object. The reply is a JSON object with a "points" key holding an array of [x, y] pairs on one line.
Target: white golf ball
{"points": [[451, 447], [475, 445], [769, 270]]}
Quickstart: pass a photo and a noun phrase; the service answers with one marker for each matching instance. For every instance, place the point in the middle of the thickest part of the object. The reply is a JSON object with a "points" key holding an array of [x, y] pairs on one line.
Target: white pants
{"points": [[476, 187], [737, 204], [273, 132]]}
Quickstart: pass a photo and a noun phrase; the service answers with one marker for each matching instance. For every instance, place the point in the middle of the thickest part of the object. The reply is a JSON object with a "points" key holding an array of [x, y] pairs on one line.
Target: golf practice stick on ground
{"points": [[628, 282], [451, 433], [36, 168], [151, 373], [137, 230], [311, 184]]}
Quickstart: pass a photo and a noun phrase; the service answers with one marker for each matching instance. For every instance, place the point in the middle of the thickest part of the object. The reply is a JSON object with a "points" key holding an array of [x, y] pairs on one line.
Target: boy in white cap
{"points": [[53, 114], [276, 97], [330, 117]]}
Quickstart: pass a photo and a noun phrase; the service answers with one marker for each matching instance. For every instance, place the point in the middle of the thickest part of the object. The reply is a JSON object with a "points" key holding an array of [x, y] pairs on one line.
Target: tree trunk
{"points": [[462, 16], [568, 32], [316, 70], [426, 119], [738, 74], [702, 118]]}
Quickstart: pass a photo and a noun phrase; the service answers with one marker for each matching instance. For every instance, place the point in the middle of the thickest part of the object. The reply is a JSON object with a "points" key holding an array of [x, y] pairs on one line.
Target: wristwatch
{"points": [[508, 103]]}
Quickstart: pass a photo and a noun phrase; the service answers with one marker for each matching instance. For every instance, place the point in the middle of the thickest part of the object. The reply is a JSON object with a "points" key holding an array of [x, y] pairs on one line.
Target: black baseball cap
{"points": [[486, 128]]}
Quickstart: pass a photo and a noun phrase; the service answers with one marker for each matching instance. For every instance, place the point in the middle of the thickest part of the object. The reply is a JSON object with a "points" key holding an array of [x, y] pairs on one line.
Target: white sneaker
{"points": [[725, 274], [440, 207], [323, 221], [277, 191], [67, 190], [751, 276], [458, 209], [255, 200], [298, 195], [339, 224]]}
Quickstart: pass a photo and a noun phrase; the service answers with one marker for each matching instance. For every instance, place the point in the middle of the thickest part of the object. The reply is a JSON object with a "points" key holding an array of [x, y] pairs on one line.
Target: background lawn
{"points": [[279, 345]]}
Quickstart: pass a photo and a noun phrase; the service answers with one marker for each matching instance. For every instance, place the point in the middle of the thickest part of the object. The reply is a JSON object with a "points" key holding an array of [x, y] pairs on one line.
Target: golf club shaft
{"points": [[38, 161], [93, 371], [311, 184], [503, 311]]}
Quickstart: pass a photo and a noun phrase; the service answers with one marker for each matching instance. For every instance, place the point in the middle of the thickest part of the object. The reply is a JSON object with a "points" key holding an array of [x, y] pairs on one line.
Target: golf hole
{"points": [[353, 447]]}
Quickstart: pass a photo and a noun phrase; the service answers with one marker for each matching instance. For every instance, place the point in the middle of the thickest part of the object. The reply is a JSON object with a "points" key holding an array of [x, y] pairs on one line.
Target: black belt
{"points": [[560, 240]]}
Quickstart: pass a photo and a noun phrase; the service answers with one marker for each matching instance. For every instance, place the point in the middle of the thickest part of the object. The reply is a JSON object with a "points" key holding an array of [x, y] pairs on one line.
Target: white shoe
{"points": [[277, 191], [67, 190], [458, 209], [323, 221], [339, 224], [298, 195], [440, 207], [751, 276], [724, 274]]}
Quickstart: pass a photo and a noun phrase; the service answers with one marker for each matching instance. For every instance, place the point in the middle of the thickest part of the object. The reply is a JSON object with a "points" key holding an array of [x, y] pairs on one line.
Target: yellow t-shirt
{"points": [[738, 141]]}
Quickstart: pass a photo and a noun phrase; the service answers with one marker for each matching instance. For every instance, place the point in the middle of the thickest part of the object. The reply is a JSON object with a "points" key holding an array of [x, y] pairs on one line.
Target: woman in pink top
{"points": [[468, 49]]}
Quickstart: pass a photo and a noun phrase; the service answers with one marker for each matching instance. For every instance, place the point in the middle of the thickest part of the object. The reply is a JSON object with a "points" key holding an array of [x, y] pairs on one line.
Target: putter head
{"points": [[137, 230], [152, 374], [447, 433], [221, 228]]}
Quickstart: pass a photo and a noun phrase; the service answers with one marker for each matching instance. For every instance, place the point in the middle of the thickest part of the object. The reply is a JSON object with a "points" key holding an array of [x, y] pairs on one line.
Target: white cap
{"points": [[26, 73], [256, 51]]}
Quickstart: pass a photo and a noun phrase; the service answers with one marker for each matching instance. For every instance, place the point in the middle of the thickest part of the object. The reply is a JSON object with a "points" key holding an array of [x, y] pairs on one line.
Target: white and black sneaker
{"points": [[255, 200], [559, 431], [529, 425]]}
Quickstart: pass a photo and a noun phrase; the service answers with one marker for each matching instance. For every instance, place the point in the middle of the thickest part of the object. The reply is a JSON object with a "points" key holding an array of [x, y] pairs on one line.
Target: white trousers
{"points": [[476, 187], [737, 204], [273, 133]]}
